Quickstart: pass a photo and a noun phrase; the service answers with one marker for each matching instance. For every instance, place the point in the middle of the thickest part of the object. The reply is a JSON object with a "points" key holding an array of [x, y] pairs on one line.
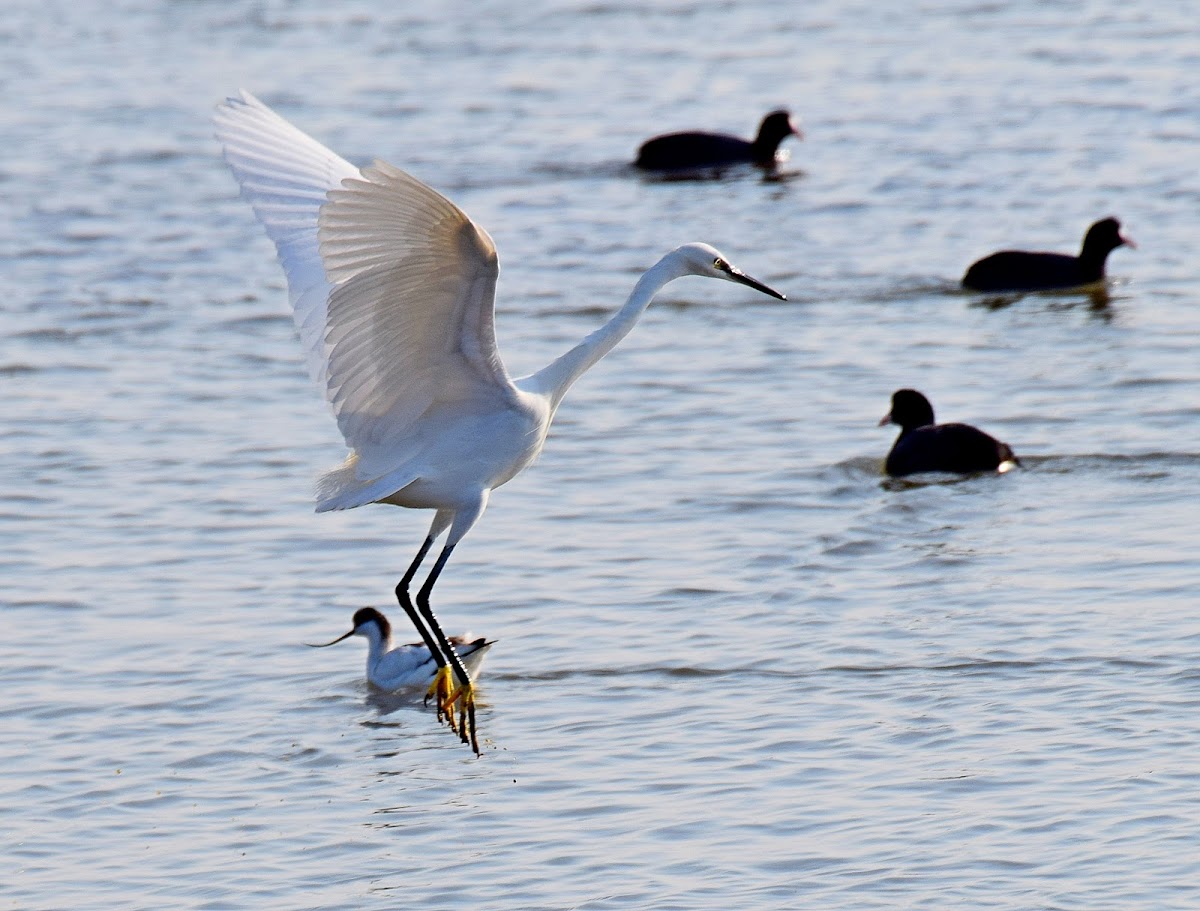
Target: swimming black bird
{"points": [[696, 150], [1019, 270], [926, 446]]}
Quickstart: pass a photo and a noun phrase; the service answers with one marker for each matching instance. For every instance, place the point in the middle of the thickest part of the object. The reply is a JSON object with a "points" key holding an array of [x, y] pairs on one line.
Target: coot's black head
{"points": [[910, 410], [776, 127], [369, 615], [1102, 238]]}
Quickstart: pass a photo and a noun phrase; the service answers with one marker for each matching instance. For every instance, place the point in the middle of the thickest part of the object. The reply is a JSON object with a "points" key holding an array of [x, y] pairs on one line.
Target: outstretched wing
{"points": [[286, 175], [392, 285], [410, 324]]}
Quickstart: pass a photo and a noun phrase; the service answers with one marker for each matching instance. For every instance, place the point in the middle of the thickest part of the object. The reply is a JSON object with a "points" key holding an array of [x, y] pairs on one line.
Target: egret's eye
{"points": [[720, 265]]}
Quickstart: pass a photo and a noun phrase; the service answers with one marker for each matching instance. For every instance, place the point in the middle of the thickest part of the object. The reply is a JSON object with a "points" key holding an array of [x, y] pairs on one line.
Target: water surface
{"points": [[736, 667]]}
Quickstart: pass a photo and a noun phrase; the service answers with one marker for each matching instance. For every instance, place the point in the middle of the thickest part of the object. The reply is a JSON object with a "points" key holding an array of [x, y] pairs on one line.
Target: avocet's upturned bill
{"points": [[393, 288]]}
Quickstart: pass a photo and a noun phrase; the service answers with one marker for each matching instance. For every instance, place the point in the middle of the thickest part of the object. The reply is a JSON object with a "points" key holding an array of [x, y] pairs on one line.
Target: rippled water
{"points": [[736, 668]]}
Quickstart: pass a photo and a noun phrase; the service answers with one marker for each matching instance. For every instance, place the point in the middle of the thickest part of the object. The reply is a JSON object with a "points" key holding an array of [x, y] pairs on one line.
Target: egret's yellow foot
{"points": [[464, 695], [440, 690], [443, 689]]}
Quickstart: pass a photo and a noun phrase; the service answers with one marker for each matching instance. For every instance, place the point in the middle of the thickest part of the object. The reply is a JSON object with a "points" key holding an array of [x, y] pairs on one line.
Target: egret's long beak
{"points": [[741, 277], [1127, 241], [334, 642], [885, 420]]}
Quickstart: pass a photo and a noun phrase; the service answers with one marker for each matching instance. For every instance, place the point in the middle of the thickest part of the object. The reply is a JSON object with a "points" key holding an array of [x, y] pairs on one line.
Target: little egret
{"points": [[1021, 270], [394, 667], [697, 150], [926, 446], [392, 287]]}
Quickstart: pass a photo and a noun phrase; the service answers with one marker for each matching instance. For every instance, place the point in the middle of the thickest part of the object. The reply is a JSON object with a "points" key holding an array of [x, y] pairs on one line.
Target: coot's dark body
{"points": [[697, 150], [926, 446], [1019, 270]]}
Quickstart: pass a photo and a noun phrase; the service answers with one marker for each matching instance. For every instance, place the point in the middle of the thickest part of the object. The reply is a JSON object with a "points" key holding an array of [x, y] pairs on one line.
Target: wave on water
{"points": [[1124, 463], [753, 672]]}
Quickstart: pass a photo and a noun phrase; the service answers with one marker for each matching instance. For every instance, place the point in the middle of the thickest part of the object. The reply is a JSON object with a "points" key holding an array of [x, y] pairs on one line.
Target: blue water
{"points": [[736, 667]]}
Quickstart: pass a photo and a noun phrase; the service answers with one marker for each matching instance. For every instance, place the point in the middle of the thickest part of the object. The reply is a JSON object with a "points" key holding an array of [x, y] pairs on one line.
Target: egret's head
{"points": [[701, 259]]}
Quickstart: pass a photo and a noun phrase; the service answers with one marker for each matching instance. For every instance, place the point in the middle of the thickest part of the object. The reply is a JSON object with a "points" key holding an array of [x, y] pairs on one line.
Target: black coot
{"points": [[692, 151], [1019, 270], [926, 446]]}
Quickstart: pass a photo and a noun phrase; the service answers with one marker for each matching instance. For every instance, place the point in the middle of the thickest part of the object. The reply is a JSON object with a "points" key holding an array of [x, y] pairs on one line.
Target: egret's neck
{"points": [[556, 378]]}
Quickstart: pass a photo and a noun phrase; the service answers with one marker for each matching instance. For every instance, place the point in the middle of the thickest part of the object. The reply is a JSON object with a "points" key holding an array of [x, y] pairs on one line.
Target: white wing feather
{"points": [[285, 175], [392, 288], [410, 318]]}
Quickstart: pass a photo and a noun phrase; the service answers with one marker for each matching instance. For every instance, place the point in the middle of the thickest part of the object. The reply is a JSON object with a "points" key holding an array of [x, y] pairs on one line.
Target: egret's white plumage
{"points": [[392, 287], [395, 667]]}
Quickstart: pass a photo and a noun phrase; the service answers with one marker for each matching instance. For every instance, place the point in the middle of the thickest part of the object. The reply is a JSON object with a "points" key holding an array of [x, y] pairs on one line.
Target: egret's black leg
{"points": [[439, 680], [406, 602], [431, 620], [467, 708]]}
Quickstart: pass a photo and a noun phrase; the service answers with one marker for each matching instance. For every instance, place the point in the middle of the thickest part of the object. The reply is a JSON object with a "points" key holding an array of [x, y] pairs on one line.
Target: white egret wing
{"points": [[391, 285], [285, 176], [410, 331]]}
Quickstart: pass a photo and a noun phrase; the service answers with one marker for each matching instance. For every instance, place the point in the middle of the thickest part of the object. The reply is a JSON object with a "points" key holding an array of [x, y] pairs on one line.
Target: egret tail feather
{"points": [[342, 488]]}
